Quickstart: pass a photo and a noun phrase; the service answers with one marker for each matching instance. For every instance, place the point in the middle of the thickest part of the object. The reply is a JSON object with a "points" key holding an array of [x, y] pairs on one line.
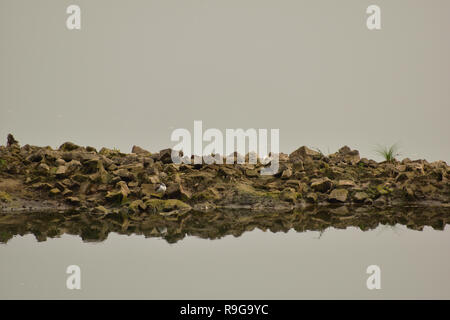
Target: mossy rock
{"points": [[209, 194], [383, 190], [166, 206], [5, 197], [116, 197], [137, 205], [288, 194], [3, 165]]}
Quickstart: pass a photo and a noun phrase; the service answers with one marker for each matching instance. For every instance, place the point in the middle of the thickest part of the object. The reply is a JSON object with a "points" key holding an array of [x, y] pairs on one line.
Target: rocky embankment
{"points": [[108, 181]]}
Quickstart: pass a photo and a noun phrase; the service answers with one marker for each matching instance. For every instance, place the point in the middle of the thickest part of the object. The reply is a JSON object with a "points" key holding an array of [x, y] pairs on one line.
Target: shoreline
{"points": [[108, 181]]}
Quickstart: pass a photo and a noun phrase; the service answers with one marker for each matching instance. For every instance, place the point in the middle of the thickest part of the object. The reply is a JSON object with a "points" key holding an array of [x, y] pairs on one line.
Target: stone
{"points": [[60, 162], [61, 171], [55, 191], [288, 194], [176, 191], [137, 206], [360, 196], [166, 207], [11, 141], [251, 173], [100, 209], [43, 168], [286, 174], [120, 195], [140, 151], [73, 200], [322, 184], [338, 195], [68, 146], [346, 183], [165, 156], [124, 174], [298, 166], [311, 197], [303, 153]]}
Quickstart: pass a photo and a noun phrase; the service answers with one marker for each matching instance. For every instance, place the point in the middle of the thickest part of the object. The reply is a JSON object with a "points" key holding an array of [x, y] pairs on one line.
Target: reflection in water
{"points": [[214, 225]]}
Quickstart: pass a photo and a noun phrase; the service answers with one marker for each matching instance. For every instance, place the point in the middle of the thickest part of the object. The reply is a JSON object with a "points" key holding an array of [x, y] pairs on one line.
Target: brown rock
{"points": [[139, 150], [303, 153], [338, 195], [322, 184]]}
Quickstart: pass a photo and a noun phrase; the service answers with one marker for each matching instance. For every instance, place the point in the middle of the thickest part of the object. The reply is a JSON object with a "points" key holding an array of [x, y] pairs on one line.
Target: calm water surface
{"points": [[269, 258]]}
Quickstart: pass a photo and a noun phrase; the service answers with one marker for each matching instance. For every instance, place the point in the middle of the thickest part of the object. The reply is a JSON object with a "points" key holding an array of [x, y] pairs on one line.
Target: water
{"points": [[229, 255]]}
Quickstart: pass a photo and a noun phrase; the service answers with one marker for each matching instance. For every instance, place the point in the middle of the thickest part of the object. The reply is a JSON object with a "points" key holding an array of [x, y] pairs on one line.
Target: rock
{"points": [[338, 195], [68, 146], [345, 154], [380, 202], [11, 141], [120, 195], [137, 206], [140, 151], [67, 192], [252, 173], [123, 188], [43, 168], [165, 156], [288, 194], [124, 174], [340, 211], [61, 171], [148, 190], [153, 179], [322, 184], [176, 191], [286, 174], [303, 153], [311, 197], [100, 209], [298, 166], [403, 176], [73, 165], [210, 194], [5, 197], [42, 186], [227, 172], [346, 183], [73, 200], [55, 191], [167, 207], [109, 152], [60, 162], [360, 196]]}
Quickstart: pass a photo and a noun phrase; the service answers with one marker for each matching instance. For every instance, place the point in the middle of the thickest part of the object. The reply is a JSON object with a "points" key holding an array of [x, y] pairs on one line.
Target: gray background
{"points": [[138, 69]]}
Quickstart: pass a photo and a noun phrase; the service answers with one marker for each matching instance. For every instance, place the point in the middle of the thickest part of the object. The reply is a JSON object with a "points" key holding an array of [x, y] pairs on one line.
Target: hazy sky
{"points": [[139, 69]]}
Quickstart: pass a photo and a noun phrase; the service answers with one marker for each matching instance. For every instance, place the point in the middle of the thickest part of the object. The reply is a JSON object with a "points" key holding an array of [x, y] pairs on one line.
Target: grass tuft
{"points": [[388, 153]]}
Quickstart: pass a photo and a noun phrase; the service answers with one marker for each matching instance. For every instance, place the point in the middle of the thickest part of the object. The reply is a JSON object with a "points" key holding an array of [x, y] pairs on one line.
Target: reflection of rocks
{"points": [[214, 224], [80, 177]]}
